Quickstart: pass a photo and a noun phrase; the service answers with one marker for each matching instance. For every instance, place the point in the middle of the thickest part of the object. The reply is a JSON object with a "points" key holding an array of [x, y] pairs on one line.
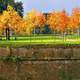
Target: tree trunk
{"points": [[15, 36], [7, 33], [78, 31], [34, 31], [0, 37], [63, 35]]}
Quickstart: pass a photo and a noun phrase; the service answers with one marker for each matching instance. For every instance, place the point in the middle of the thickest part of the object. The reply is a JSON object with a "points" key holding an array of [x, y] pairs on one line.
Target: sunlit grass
{"points": [[39, 40]]}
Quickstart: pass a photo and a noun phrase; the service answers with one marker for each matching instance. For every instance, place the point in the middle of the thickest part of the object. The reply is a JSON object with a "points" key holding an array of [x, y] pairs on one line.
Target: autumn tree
{"points": [[1, 28], [76, 19], [34, 20], [72, 25], [46, 29], [58, 21], [10, 18]]}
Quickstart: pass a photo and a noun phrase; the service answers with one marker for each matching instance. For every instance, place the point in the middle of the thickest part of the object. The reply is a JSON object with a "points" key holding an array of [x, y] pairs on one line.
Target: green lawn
{"points": [[41, 39]]}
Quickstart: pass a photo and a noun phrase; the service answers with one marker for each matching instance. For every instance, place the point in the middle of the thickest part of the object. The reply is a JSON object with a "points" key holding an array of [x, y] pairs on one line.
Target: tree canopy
{"points": [[18, 6]]}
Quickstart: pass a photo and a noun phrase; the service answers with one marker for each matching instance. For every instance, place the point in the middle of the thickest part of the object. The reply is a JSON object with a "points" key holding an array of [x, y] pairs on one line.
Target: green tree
{"points": [[18, 6]]}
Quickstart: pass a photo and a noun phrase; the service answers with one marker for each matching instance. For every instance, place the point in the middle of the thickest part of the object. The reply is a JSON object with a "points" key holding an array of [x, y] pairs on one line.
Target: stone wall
{"points": [[43, 53], [40, 70], [51, 63]]}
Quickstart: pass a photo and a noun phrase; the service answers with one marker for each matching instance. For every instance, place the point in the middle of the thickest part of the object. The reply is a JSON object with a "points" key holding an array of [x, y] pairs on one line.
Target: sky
{"points": [[50, 5]]}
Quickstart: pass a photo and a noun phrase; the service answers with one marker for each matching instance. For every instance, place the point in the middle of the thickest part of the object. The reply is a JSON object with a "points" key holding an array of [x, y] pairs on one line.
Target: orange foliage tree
{"points": [[76, 20], [1, 27], [58, 21]]}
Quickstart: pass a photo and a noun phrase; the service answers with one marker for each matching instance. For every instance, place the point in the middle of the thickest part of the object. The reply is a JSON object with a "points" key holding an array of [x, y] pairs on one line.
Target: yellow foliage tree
{"points": [[10, 19], [34, 19]]}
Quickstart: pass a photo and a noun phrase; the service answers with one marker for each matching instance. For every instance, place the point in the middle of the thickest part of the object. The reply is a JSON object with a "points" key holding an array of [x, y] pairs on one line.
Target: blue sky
{"points": [[50, 5]]}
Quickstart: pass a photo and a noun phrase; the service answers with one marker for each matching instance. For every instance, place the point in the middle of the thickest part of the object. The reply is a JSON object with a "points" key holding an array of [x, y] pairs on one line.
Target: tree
{"points": [[34, 20], [1, 28], [18, 6], [4, 4], [46, 29], [72, 25], [10, 18], [58, 21], [76, 19]]}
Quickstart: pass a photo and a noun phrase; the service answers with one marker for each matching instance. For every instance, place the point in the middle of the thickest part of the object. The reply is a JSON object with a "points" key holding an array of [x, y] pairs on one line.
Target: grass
{"points": [[41, 40]]}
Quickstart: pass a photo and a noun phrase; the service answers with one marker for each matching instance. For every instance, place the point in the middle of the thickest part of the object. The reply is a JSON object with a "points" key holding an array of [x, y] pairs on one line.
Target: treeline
{"points": [[35, 22]]}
